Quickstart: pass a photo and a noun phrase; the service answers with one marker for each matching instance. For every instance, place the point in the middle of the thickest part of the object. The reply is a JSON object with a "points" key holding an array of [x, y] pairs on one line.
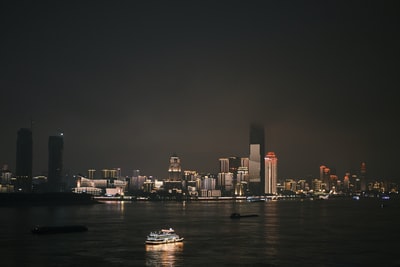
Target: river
{"points": [[285, 233]]}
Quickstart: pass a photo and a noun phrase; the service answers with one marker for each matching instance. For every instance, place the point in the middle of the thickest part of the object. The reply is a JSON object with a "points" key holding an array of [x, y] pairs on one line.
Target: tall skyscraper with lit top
{"points": [[174, 170], [256, 159], [24, 158], [54, 178], [271, 173]]}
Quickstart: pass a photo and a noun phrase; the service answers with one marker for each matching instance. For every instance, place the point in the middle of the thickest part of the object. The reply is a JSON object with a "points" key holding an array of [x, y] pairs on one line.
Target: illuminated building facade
{"points": [[225, 182], [244, 162], [208, 183], [6, 175], [242, 174], [227, 177], [325, 177], [109, 173], [174, 170], [363, 176], [24, 157], [91, 173], [316, 185], [256, 159], [190, 175], [271, 173], [223, 165]]}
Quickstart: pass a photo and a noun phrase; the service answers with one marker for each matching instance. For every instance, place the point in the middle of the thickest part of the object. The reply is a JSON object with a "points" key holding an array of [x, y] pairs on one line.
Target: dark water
{"points": [[286, 233]]}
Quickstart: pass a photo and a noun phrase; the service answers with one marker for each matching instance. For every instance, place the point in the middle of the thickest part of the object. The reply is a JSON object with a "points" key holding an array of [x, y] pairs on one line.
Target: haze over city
{"points": [[129, 83]]}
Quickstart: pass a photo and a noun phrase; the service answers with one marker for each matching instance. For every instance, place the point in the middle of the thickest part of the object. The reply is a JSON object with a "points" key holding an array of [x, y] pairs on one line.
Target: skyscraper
{"points": [[224, 165], [271, 173], [230, 164], [174, 170], [24, 157], [363, 176], [56, 147], [325, 174], [256, 159]]}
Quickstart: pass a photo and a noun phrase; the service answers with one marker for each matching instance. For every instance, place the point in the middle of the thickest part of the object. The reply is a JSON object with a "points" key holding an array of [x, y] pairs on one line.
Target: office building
{"points": [[223, 165], [227, 177], [56, 147], [244, 162], [271, 173], [230, 164], [256, 159], [24, 158], [363, 176], [325, 173], [6, 185], [174, 170]]}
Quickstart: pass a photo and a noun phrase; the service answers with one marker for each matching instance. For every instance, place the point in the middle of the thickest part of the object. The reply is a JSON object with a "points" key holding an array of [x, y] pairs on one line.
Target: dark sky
{"points": [[132, 82]]}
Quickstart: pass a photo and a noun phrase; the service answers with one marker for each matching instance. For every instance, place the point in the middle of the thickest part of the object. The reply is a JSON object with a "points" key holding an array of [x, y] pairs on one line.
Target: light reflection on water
{"points": [[163, 254], [271, 226]]}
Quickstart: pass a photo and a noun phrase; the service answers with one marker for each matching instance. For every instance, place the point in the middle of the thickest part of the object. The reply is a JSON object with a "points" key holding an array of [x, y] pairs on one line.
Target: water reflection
{"points": [[163, 254], [272, 234]]}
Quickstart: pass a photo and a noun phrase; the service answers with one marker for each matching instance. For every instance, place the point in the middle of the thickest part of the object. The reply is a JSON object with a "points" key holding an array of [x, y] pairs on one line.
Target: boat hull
{"points": [[238, 216], [42, 230], [158, 242]]}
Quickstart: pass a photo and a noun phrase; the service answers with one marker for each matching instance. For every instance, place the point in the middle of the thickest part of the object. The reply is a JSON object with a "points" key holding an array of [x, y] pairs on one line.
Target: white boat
{"points": [[323, 196], [163, 236]]}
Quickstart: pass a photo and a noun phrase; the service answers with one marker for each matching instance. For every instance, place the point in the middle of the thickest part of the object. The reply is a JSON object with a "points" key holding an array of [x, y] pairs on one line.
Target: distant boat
{"points": [[325, 196], [256, 199], [41, 230], [238, 215], [163, 236]]}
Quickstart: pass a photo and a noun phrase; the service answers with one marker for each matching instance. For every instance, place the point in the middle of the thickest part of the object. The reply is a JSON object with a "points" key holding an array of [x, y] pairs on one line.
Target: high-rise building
{"points": [[174, 170], [230, 164], [271, 173], [225, 182], [227, 177], [256, 159], [363, 176], [119, 173], [5, 180], [223, 165], [234, 164], [91, 173], [56, 147], [136, 173], [324, 176], [244, 162], [24, 160]]}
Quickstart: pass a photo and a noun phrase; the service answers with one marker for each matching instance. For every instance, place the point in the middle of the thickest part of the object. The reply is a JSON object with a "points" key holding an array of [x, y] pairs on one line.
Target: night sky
{"points": [[132, 82]]}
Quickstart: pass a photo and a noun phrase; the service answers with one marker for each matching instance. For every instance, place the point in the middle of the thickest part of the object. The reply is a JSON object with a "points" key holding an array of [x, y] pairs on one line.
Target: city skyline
{"points": [[131, 83], [255, 162]]}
